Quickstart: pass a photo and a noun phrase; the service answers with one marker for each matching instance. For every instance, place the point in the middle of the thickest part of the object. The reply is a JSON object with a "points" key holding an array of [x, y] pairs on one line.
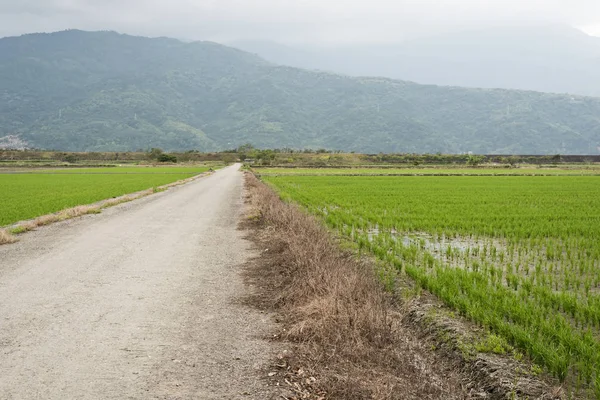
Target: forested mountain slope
{"points": [[88, 91]]}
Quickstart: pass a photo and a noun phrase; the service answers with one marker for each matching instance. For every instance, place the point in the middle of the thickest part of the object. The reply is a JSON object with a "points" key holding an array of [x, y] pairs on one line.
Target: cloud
{"points": [[288, 20], [593, 30]]}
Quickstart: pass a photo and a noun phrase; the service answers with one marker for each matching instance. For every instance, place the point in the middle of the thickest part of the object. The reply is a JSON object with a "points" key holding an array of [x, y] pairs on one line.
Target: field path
{"points": [[138, 302]]}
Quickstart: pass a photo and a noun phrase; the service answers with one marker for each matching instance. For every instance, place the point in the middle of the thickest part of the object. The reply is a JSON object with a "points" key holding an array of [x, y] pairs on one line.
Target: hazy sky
{"points": [[329, 21]]}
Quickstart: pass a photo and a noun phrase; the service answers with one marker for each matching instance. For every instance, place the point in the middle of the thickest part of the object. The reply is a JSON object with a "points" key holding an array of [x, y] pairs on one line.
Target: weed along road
{"points": [[138, 302]]}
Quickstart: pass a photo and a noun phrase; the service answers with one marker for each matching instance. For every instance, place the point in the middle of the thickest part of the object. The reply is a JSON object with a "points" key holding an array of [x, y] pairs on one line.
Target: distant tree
{"points": [[474, 160], [245, 148], [265, 156], [228, 158], [70, 158], [155, 153], [164, 157], [512, 160]]}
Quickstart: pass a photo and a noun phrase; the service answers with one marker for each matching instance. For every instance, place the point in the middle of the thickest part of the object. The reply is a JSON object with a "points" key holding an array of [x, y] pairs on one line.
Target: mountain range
{"points": [[547, 58], [104, 91]]}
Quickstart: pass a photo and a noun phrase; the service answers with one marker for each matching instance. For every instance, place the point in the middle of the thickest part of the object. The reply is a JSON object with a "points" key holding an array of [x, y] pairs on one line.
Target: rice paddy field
{"points": [[518, 255], [442, 171], [26, 194], [113, 170]]}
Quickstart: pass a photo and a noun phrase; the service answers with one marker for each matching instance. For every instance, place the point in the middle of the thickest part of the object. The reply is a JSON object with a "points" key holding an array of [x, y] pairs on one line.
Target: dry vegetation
{"points": [[346, 331], [6, 237], [352, 339]]}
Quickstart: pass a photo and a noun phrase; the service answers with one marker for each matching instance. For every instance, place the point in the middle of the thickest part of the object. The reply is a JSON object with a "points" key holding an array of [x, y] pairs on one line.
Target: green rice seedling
{"points": [[518, 255]]}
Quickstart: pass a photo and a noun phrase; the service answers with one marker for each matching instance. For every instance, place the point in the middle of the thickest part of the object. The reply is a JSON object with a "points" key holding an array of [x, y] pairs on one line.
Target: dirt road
{"points": [[138, 302]]}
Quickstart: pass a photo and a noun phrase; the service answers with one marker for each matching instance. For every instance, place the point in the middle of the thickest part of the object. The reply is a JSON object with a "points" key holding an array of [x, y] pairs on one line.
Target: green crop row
{"points": [[518, 255], [428, 171]]}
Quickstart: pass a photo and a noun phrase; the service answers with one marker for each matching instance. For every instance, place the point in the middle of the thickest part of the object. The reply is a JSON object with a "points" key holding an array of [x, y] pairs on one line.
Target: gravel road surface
{"points": [[138, 302]]}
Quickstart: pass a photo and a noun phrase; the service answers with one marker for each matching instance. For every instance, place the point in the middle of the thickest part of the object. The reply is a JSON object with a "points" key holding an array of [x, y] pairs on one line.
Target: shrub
{"points": [[167, 158]]}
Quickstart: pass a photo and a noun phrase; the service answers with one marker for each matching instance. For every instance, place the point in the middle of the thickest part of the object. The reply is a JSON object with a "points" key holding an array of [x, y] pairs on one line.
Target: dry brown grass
{"points": [[56, 217], [335, 297], [124, 199], [26, 226], [346, 331], [6, 237], [356, 339], [78, 211]]}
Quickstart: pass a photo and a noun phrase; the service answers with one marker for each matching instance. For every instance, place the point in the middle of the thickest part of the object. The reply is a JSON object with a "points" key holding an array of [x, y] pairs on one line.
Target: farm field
{"points": [[111, 170], [578, 170], [28, 195], [519, 256]]}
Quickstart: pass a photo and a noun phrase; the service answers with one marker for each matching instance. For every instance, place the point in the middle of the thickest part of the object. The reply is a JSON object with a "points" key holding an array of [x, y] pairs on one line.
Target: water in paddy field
{"points": [[438, 246], [524, 261]]}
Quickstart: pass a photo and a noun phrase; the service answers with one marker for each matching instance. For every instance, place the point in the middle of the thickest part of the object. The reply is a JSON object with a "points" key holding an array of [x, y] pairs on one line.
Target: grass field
{"points": [[28, 195], [113, 170], [520, 256], [578, 170]]}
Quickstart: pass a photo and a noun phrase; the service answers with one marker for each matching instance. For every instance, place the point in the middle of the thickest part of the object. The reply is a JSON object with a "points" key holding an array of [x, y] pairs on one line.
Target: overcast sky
{"points": [[320, 21]]}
